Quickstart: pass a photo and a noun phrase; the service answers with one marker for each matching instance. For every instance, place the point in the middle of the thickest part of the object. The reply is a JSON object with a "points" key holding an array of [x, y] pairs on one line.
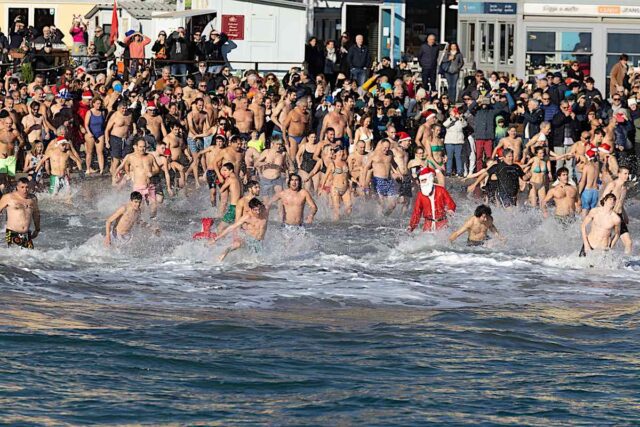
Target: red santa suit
{"points": [[432, 203]]}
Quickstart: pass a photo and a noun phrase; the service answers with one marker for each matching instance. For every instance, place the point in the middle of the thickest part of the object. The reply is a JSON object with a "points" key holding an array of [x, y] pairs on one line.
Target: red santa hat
{"points": [[80, 70], [151, 104], [403, 136], [604, 148], [87, 94], [428, 114], [427, 171], [61, 140]]}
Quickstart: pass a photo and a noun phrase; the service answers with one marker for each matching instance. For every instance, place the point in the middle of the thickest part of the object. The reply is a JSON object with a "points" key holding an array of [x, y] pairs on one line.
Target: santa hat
{"points": [[428, 114], [80, 70], [427, 171], [61, 140], [591, 154], [403, 136], [151, 104], [87, 94], [604, 148]]}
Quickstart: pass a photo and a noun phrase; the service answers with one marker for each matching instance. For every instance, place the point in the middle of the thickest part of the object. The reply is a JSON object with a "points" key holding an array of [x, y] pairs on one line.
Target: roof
{"points": [[139, 9], [185, 13]]}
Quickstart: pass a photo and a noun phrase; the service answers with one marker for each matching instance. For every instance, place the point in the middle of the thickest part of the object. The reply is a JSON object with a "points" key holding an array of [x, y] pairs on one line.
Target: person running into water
{"points": [[59, 158], [254, 226], [120, 225], [477, 227], [294, 199], [605, 226], [588, 185], [618, 188], [22, 210], [233, 188], [565, 197]]}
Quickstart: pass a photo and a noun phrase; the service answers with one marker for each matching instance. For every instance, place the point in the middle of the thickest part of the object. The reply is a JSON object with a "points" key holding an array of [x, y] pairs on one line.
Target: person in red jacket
{"points": [[432, 203]]}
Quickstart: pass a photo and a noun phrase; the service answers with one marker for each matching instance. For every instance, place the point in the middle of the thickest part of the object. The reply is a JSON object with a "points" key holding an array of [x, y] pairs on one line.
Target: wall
{"points": [[271, 33]]}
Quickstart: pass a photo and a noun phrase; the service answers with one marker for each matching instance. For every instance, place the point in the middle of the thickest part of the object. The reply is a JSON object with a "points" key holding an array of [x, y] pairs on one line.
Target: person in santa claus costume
{"points": [[432, 203]]}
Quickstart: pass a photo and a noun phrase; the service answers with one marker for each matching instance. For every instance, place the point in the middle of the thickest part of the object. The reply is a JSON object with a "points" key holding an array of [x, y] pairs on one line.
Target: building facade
{"points": [[529, 37]]}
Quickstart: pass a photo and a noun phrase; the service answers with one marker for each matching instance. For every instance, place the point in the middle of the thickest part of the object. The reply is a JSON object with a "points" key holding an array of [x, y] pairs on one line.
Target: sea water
{"points": [[349, 323]]}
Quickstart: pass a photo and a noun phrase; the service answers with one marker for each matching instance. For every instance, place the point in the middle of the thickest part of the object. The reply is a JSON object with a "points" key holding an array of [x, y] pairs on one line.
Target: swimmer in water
{"points": [[477, 227], [22, 210], [254, 225], [124, 220], [605, 226]]}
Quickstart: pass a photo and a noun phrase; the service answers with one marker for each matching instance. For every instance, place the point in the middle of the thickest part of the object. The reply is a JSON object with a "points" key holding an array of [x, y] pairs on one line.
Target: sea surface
{"points": [[347, 323]]}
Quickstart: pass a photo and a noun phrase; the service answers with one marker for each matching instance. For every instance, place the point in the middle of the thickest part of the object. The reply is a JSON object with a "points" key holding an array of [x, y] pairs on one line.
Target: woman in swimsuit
{"points": [[31, 161], [338, 174], [363, 133], [540, 167], [435, 143], [305, 158], [94, 124]]}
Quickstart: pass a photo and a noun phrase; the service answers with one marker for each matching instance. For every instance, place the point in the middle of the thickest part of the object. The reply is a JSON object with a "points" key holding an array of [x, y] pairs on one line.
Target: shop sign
{"points": [[233, 26], [492, 8], [582, 10]]}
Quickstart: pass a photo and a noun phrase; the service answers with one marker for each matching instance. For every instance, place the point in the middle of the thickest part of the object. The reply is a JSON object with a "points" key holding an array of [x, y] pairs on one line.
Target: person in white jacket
{"points": [[454, 140]]}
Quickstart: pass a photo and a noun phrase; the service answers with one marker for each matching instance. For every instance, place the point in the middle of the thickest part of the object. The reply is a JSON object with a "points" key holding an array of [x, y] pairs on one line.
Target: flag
{"points": [[113, 37]]}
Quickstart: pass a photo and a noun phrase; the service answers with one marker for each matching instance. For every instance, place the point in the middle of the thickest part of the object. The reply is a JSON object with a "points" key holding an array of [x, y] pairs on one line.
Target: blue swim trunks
{"points": [[385, 187], [589, 198]]}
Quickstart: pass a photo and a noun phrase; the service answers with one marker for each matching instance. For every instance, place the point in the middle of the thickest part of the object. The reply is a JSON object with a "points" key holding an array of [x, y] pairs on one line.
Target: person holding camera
{"points": [[78, 33], [179, 51]]}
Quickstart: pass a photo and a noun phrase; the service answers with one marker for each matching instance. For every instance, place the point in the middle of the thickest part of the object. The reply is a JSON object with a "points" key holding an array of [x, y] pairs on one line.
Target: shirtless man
{"points": [[400, 163], [257, 108], [565, 197], [578, 152], [232, 190], [254, 225], [379, 168], [163, 164], [339, 122], [356, 162], [281, 112], [9, 135], [119, 128], [209, 155], [140, 167], [199, 136], [22, 209], [124, 219], [296, 126], [618, 188], [294, 199], [155, 124], [423, 137], [511, 141], [272, 164], [33, 124], [244, 118], [180, 155], [588, 185], [604, 221], [58, 158], [233, 154], [477, 227], [242, 207]]}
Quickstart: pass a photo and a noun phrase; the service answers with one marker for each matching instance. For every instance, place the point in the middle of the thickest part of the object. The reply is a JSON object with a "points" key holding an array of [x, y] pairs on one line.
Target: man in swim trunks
{"points": [[140, 167], [565, 197], [252, 191], [294, 199], [162, 160], [58, 157], [378, 170], [477, 227], [400, 163], [618, 188], [231, 190], [118, 129], [22, 210], [244, 118], [254, 225], [356, 162], [181, 158], [200, 134], [210, 155], [296, 126], [604, 222], [233, 154], [338, 122], [124, 219], [272, 164], [588, 186]]}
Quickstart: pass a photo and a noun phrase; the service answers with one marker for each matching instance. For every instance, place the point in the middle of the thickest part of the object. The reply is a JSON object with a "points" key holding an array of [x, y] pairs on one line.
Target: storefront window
{"points": [[487, 43], [506, 44], [619, 43], [554, 50]]}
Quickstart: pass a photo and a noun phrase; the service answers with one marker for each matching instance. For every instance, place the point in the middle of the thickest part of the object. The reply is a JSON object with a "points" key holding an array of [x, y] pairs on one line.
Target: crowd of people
{"points": [[338, 128]]}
